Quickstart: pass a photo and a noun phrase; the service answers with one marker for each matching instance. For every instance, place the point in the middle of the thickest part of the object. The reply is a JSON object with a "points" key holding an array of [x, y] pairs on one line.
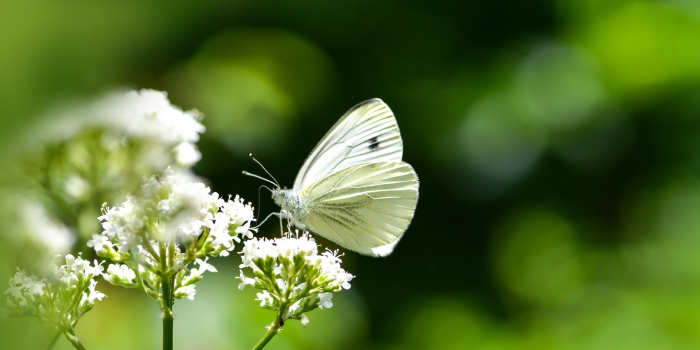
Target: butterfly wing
{"points": [[365, 208], [366, 133]]}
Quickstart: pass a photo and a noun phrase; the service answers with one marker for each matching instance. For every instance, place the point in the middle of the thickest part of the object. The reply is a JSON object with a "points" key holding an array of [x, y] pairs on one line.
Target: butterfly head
{"points": [[284, 198], [279, 195], [291, 202]]}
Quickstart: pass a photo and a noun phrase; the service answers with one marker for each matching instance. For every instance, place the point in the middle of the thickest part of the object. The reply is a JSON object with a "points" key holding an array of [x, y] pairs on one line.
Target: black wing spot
{"points": [[373, 143]]}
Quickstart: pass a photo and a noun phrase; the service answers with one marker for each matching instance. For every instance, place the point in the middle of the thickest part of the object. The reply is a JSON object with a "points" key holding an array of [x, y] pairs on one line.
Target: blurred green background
{"points": [[557, 143]]}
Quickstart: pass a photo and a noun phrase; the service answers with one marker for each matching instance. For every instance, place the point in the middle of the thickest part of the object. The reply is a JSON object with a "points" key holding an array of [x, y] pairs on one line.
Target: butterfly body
{"points": [[294, 206], [354, 189]]}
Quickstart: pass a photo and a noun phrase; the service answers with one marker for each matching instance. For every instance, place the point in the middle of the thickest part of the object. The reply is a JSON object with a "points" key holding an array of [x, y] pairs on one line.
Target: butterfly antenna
{"points": [[259, 177], [268, 173]]}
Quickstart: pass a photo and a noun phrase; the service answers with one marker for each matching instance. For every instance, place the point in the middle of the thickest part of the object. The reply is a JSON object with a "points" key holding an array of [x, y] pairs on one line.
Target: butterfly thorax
{"points": [[293, 203]]}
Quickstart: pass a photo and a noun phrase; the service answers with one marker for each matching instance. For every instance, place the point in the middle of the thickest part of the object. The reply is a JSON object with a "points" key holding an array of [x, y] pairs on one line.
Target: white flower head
{"points": [[46, 298], [76, 186], [47, 234], [171, 223], [290, 269], [171, 208], [187, 154], [148, 114]]}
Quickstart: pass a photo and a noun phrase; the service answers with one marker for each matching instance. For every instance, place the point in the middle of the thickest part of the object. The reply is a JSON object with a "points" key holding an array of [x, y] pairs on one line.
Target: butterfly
{"points": [[353, 188]]}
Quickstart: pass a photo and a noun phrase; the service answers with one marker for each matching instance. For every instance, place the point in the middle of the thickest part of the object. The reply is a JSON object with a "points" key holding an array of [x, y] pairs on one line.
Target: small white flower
{"points": [[35, 287], [97, 269], [186, 292], [69, 262], [265, 298], [204, 266], [101, 244], [179, 262], [245, 281], [116, 273], [76, 186], [304, 320], [325, 300], [93, 293], [186, 154], [50, 236], [79, 265], [257, 249], [19, 278], [14, 291], [282, 284]]}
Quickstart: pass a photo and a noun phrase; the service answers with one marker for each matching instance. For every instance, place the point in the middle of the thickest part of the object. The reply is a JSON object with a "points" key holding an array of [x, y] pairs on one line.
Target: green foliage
{"points": [[556, 143]]}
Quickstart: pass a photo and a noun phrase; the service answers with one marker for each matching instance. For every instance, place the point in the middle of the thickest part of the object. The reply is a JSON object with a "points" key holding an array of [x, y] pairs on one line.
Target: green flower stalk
{"points": [[60, 299], [293, 277]]}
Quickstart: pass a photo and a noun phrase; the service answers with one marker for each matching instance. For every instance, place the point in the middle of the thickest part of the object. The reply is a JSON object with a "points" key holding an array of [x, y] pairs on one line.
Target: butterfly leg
{"points": [[282, 224], [260, 224]]}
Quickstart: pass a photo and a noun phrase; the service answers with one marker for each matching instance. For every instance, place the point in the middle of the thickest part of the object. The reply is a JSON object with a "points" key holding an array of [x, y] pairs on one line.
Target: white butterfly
{"points": [[353, 189]]}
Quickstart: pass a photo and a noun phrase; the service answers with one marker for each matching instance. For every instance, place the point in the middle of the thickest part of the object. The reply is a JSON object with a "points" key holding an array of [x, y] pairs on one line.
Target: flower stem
{"points": [[168, 313], [274, 329], [74, 340], [53, 340]]}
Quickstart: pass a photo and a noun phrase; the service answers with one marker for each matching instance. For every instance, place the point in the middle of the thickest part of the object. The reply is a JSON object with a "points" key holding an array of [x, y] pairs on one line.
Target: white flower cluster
{"points": [[134, 115], [149, 114], [293, 277], [168, 225], [93, 153], [54, 237], [37, 232], [62, 298]]}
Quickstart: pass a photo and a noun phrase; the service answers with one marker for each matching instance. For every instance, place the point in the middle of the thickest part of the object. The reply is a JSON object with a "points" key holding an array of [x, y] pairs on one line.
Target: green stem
{"points": [[53, 340], [168, 313], [274, 329], [74, 340]]}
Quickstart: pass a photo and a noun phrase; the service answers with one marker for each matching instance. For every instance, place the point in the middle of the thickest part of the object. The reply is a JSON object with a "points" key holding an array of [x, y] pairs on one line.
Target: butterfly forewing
{"points": [[365, 208], [366, 133]]}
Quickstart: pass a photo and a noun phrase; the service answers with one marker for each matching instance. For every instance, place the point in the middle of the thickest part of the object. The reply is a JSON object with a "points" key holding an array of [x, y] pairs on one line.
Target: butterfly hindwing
{"points": [[367, 133], [365, 208]]}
